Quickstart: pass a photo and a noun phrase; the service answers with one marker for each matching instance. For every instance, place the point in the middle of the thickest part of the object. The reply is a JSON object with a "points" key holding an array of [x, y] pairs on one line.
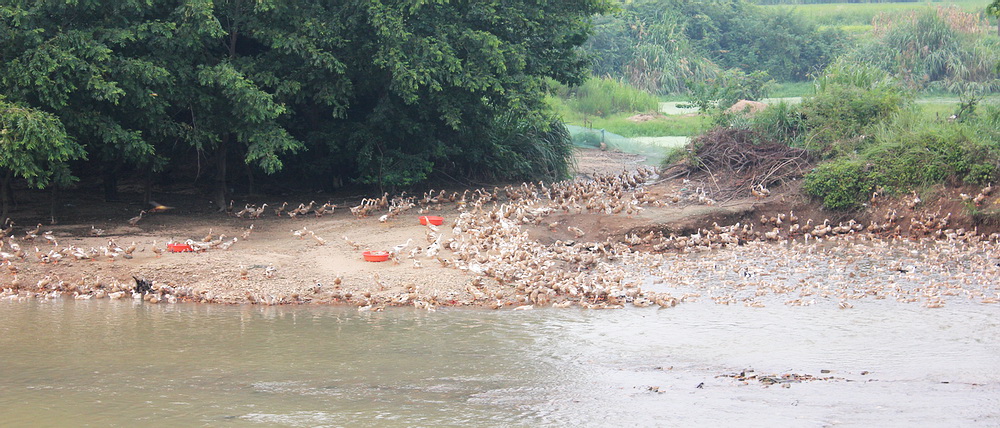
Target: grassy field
{"points": [[619, 123], [857, 17], [662, 126], [931, 106]]}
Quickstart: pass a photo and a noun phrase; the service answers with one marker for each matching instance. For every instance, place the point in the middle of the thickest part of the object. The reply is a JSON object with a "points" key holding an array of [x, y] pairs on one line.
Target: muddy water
{"points": [[115, 363]]}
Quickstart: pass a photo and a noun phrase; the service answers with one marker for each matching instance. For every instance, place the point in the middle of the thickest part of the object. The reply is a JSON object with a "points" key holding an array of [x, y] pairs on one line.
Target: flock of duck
{"points": [[776, 259]]}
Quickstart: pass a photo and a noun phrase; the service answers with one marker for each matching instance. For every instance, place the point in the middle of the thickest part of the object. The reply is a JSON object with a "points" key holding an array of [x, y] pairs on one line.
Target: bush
{"points": [[987, 125], [854, 73], [850, 99], [781, 122], [905, 154], [659, 45], [842, 184], [906, 157]]}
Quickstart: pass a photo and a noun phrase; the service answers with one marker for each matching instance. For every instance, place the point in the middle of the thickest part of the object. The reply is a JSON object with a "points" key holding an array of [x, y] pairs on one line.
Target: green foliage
{"points": [[908, 153], [385, 92], [840, 14], [738, 34], [993, 9], [606, 96], [661, 45], [624, 124], [33, 144], [986, 123], [660, 126], [862, 75], [936, 48], [842, 184], [850, 99], [675, 156], [731, 86], [648, 49], [792, 89], [782, 122], [518, 148]]}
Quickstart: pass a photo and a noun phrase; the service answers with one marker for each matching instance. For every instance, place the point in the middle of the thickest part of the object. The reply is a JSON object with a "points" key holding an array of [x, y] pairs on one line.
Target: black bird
{"points": [[142, 286]]}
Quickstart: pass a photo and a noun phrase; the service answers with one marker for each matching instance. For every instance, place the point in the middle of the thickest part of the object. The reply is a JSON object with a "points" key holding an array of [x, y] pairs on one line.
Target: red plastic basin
{"points": [[376, 256], [179, 248], [432, 219]]}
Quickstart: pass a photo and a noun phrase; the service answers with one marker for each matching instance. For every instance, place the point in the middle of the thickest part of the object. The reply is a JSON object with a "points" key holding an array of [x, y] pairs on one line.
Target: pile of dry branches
{"points": [[737, 160]]}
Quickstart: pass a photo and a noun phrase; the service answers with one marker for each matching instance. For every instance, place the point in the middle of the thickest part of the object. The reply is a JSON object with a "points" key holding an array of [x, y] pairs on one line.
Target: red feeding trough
{"points": [[376, 256], [432, 219], [179, 248]]}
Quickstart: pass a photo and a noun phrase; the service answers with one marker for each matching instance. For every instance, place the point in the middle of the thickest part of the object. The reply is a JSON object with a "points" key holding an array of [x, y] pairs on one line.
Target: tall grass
{"points": [[940, 48], [792, 89], [528, 149], [603, 96], [907, 152], [861, 75], [659, 71]]}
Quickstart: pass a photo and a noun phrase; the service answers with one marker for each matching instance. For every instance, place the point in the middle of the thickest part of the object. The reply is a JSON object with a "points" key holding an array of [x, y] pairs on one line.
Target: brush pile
{"points": [[741, 159]]}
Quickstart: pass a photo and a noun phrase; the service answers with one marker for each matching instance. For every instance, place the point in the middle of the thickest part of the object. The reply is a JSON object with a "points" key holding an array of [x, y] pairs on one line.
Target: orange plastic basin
{"points": [[179, 248], [432, 219], [376, 256]]}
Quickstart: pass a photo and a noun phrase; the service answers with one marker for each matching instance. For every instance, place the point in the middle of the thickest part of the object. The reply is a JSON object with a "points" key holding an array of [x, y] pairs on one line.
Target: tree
{"points": [[72, 61], [424, 88], [34, 146], [383, 92]]}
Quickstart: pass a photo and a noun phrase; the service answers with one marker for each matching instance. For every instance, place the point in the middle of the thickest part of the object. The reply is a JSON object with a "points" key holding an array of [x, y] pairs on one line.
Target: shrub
{"points": [[906, 157], [660, 45], [842, 183], [849, 100], [851, 72], [904, 154], [526, 149], [781, 122]]}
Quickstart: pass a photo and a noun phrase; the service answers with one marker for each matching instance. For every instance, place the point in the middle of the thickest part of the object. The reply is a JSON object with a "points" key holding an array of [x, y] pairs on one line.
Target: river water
{"points": [[123, 363]]}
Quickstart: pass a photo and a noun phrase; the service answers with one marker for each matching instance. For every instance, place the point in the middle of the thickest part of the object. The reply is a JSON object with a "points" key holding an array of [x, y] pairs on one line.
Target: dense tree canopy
{"points": [[382, 92]]}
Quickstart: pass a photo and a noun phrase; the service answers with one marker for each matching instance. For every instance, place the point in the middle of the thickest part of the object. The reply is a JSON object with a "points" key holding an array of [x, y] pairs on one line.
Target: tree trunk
{"points": [[220, 173], [110, 178], [5, 194], [54, 203], [249, 172], [147, 186]]}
